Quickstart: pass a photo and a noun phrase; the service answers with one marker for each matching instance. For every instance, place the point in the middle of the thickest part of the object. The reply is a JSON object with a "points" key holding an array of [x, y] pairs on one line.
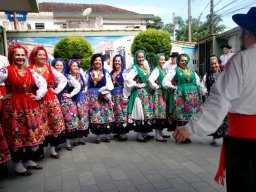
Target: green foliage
{"points": [[155, 23], [68, 46], [152, 41], [199, 29]]}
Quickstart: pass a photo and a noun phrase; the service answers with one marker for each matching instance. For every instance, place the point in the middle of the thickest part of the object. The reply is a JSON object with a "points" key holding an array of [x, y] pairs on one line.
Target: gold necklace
{"points": [[22, 73], [187, 72]]}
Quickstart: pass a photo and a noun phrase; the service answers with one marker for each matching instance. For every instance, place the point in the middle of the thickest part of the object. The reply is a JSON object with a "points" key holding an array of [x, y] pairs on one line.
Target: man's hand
{"points": [[180, 134]]}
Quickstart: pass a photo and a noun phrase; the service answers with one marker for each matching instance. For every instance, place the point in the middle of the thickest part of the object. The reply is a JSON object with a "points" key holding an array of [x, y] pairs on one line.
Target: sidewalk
{"points": [[125, 166]]}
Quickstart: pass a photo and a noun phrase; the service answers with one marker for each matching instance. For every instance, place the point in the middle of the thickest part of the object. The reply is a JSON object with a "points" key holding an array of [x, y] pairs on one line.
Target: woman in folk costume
{"points": [[101, 108], [140, 106], [208, 80], [68, 107], [81, 101], [159, 97], [186, 99], [21, 117], [49, 104], [120, 127]]}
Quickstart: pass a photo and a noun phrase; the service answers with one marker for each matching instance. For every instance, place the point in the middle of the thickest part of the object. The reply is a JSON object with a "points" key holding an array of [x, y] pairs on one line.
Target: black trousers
{"points": [[240, 156]]}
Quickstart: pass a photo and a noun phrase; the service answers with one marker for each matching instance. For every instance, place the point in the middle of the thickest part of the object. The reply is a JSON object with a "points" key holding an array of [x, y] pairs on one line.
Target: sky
{"points": [[166, 8]]}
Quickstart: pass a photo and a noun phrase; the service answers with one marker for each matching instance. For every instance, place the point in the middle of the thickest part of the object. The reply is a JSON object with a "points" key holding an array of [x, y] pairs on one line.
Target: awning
{"points": [[19, 5]]}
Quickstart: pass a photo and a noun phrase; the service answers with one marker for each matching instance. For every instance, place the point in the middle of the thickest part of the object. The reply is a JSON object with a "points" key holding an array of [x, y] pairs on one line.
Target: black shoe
{"points": [[123, 139], [116, 136], [76, 143], [58, 148], [166, 136], [148, 137], [141, 140], [186, 141], [161, 140], [82, 142], [69, 148]]}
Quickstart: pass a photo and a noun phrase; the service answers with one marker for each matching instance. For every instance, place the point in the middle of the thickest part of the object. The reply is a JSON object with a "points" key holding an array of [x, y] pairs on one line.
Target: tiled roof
{"points": [[75, 7]]}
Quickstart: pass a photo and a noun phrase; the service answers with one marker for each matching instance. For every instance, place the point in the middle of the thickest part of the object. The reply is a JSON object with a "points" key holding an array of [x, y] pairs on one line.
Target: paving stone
{"points": [[117, 174], [193, 167], [125, 186], [53, 183], [158, 181], [89, 188], [148, 187], [70, 186], [86, 178]]}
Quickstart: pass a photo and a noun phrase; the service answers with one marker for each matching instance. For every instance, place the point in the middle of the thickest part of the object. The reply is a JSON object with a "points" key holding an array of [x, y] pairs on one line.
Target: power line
{"points": [[203, 11], [233, 11], [217, 3], [226, 5], [237, 6]]}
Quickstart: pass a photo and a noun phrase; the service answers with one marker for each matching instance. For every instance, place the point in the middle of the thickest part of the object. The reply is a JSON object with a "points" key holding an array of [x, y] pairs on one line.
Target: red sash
{"points": [[240, 126]]}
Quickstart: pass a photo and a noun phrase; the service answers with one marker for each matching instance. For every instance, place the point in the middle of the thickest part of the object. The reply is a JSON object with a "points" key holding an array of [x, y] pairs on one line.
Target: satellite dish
{"points": [[87, 11]]}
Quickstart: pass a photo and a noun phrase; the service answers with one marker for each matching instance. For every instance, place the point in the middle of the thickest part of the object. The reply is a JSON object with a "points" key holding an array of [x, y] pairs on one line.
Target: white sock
{"points": [[139, 135], [98, 137], [158, 134], [68, 143], [53, 152], [124, 136], [20, 167], [81, 139], [34, 148], [30, 163], [145, 134], [107, 136]]}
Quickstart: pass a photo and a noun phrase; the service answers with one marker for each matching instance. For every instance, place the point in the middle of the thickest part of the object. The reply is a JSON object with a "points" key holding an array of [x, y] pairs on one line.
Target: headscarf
{"points": [[136, 55], [70, 63], [185, 55], [54, 61], [122, 62], [13, 49], [34, 52]]}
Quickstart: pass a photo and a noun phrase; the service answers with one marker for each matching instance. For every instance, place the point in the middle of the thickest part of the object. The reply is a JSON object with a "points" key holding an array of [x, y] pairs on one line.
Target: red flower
{"points": [[187, 108]]}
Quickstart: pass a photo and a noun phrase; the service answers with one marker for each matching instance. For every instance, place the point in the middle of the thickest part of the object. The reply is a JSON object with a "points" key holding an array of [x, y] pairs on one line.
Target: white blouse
{"points": [[153, 77], [129, 82], [167, 82], [39, 81], [60, 78], [72, 82], [109, 84]]}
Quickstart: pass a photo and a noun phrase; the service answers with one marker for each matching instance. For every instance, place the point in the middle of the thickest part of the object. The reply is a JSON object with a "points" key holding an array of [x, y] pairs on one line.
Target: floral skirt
{"points": [[120, 109], [147, 103], [120, 112], [159, 105], [100, 113], [69, 112], [187, 102], [4, 150], [22, 122], [82, 105], [52, 116]]}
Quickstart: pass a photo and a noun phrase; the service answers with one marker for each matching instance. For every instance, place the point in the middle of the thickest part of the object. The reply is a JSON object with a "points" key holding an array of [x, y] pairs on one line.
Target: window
{"points": [[39, 25]]}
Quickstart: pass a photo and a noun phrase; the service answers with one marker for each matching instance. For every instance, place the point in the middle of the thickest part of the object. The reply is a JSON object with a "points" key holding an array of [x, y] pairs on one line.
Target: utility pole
{"points": [[189, 21], [211, 17], [15, 21], [174, 24]]}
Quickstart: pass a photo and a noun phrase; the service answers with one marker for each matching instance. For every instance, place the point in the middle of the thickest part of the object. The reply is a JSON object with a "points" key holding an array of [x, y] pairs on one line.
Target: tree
{"points": [[179, 23], [155, 23], [68, 46], [199, 29], [152, 41]]}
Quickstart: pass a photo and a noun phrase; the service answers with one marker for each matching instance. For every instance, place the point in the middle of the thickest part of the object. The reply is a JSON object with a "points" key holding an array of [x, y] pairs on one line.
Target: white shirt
{"points": [[39, 81], [224, 58], [168, 66], [234, 91], [108, 67]]}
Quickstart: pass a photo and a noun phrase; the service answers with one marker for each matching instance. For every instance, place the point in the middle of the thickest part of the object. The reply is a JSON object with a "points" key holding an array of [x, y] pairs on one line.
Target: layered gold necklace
{"points": [[187, 71], [22, 73]]}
